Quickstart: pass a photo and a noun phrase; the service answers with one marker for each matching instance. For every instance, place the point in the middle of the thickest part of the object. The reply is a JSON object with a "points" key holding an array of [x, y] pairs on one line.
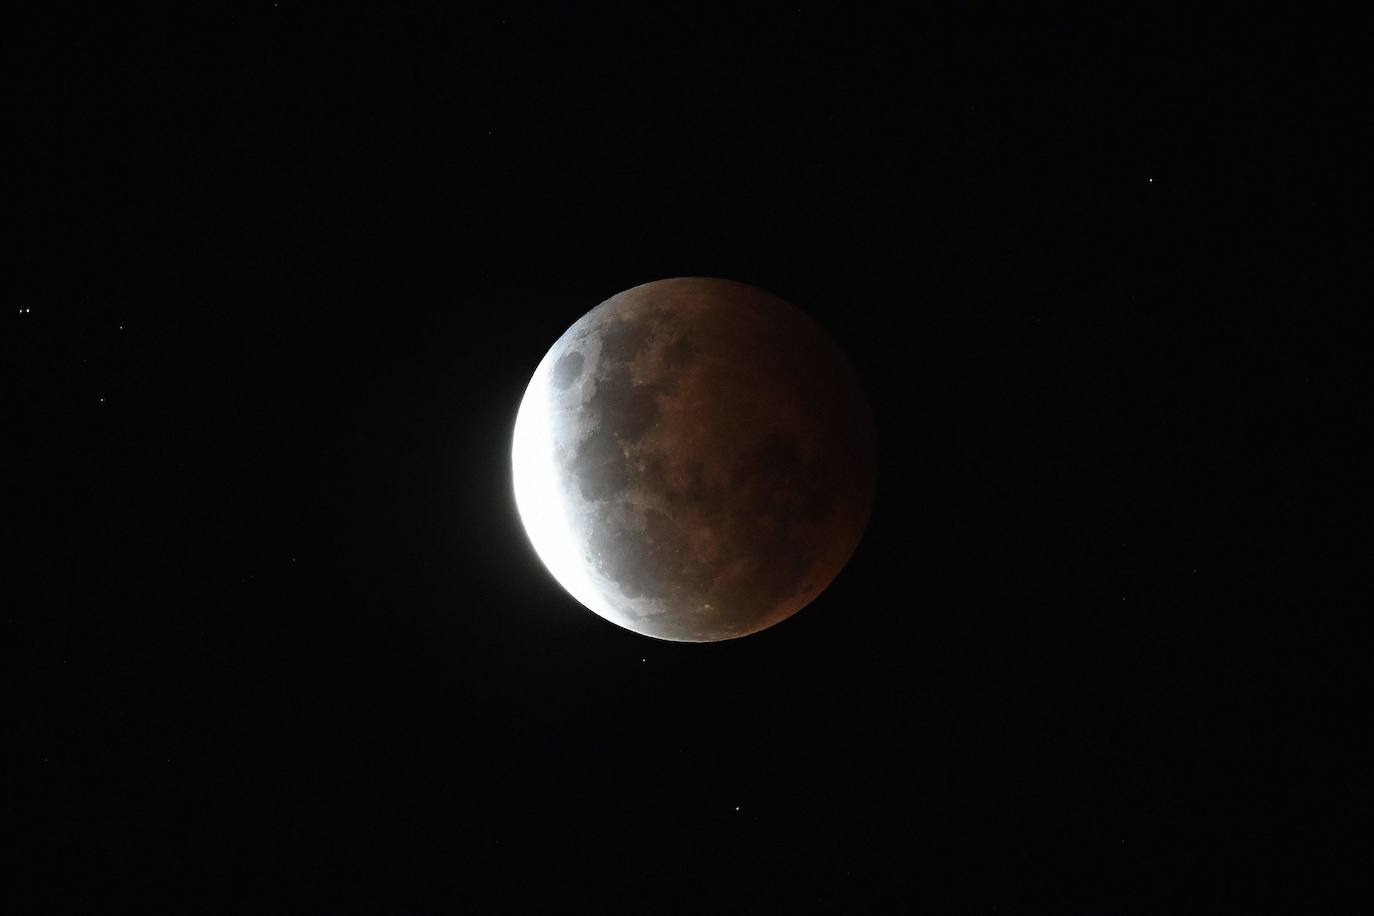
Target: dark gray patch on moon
{"points": [[679, 353], [567, 369], [599, 468]]}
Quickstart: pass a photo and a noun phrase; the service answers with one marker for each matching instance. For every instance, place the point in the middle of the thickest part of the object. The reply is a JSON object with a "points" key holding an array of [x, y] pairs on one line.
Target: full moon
{"points": [[694, 460]]}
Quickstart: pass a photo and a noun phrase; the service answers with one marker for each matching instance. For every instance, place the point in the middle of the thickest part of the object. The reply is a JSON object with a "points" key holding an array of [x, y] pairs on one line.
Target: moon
{"points": [[694, 460]]}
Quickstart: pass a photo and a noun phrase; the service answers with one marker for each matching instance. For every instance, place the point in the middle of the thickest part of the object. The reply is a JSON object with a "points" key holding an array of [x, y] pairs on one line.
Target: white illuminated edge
{"points": [[541, 501]]}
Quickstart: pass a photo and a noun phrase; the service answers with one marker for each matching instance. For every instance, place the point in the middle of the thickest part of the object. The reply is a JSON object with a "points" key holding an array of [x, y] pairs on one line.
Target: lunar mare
{"points": [[694, 460]]}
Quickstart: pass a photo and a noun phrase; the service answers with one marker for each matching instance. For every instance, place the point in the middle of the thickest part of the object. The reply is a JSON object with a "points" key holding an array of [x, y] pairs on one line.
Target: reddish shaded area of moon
{"points": [[694, 460]]}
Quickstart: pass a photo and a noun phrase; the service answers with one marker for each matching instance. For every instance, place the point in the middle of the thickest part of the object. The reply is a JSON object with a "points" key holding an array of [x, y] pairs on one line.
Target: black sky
{"points": [[284, 269]]}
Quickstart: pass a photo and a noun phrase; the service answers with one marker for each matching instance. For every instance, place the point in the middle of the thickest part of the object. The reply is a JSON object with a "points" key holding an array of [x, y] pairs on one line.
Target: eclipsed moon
{"points": [[694, 460]]}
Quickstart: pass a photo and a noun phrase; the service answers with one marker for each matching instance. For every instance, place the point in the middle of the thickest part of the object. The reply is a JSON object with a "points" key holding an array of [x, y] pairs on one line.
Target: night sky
{"points": [[276, 640]]}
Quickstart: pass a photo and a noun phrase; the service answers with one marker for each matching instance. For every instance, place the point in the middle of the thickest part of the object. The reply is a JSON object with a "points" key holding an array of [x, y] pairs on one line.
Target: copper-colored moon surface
{"points": [[694, 460]]}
